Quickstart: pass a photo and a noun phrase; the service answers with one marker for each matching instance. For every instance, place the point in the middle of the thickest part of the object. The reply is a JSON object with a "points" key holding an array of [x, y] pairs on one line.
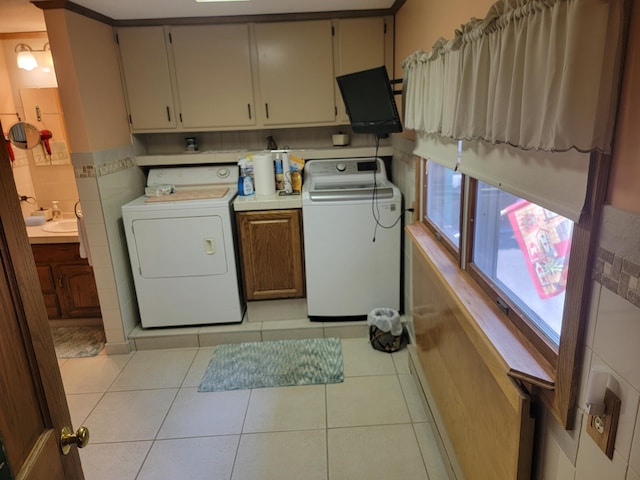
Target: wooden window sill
{"points": [[487, 326]]}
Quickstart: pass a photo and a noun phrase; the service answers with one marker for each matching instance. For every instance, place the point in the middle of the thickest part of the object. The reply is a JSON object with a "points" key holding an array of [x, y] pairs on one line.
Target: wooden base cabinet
{"points": [[272, 256], [67, 281]]}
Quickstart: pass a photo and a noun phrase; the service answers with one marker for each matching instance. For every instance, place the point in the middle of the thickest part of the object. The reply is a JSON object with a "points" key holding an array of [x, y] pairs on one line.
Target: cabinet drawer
{"points": [[57, 253]]}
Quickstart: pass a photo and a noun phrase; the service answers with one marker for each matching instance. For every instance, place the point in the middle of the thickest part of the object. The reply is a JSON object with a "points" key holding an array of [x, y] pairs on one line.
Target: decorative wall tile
{"points": [[620, 275]]}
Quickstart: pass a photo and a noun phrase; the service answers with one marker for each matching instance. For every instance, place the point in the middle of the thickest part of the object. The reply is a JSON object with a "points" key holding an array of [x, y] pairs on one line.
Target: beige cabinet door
{"points": [[147, 79], [295, 62], [362, 44], [213, 75]]}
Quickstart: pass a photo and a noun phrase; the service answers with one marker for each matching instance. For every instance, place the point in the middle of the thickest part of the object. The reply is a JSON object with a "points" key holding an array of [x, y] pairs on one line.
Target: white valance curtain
{"points": [[539, 74]]}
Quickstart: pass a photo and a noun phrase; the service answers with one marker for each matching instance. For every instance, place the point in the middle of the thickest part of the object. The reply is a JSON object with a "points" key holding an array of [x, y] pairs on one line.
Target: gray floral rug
{"points": [[74, 342], [274, 364]]}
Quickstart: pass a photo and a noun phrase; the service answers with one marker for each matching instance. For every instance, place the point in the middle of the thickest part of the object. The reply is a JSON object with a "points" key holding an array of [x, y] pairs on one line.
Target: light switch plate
{"points": [[603, 429]]}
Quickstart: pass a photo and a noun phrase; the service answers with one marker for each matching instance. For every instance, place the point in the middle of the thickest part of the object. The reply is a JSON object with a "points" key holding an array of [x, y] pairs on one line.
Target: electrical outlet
{"points": [[603, 428]]}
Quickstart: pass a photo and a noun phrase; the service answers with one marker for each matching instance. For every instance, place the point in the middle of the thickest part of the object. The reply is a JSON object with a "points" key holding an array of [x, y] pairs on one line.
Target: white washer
{"points": [[352, 235], [182, 252]]}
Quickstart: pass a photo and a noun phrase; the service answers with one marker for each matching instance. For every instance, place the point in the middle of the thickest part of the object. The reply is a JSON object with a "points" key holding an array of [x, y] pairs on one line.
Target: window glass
{"points": [[524, 249], [443, 200]]}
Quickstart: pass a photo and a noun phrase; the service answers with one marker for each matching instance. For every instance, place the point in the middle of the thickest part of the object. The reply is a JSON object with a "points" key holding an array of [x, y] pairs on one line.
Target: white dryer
{"points": [[352, 231], [182, 248]]}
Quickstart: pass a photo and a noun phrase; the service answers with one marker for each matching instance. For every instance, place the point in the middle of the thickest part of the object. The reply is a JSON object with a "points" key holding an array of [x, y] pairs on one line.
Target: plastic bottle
{"points": [[286, 170], [56, 214], [245, 183], [279, 175]]}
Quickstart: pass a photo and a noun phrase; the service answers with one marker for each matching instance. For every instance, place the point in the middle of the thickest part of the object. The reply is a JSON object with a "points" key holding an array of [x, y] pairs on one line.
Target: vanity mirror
{"points": [[24, 136]]}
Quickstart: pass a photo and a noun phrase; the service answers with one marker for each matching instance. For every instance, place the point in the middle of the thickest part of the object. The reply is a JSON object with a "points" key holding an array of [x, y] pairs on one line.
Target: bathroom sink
{"points": [[61, 226]]}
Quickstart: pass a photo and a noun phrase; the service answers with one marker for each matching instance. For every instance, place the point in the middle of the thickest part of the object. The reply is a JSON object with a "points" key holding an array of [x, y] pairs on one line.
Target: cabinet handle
{"points": [[266, 107], [249, 110], [168, 114], [61, 281]]}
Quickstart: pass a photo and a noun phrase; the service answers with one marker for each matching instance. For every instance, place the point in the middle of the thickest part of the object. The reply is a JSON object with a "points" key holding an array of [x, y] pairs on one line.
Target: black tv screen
{"points": [[368, 97]]}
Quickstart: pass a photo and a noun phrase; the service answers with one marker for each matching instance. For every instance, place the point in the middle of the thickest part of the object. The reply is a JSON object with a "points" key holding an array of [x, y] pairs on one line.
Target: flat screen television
{"points": [[368, 97]]}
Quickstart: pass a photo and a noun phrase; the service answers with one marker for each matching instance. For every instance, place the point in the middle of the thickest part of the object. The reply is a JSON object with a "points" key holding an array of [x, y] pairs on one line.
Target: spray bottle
{"points": [[245, 182]]}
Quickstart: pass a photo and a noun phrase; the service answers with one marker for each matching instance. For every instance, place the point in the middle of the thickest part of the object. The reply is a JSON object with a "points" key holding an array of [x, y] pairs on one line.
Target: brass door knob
{"points": [[68, 438]]}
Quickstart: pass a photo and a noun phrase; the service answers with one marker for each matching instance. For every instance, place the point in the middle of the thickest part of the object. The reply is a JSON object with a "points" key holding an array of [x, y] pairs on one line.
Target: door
{"points": [[147, 78], [213, 75], [33, 407], [271, 251], [295, 63], [361, 45]]}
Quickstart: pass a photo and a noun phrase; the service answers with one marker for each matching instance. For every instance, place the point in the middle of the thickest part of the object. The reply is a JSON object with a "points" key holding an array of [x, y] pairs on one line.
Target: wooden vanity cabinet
{"points": [[67, 281], [271, 253]]}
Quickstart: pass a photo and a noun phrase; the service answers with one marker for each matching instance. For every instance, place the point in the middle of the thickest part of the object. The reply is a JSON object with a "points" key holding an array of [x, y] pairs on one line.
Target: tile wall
{"points": [[611, 344], [107, 180]]}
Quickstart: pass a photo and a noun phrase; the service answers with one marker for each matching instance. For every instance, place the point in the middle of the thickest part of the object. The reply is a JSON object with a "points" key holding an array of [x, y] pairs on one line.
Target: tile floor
{"points": [[147, 421]]}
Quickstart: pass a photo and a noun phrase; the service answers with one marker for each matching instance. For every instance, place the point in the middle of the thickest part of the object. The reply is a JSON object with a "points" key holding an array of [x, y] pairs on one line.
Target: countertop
{"points": [[266, 202], [38, 236]]}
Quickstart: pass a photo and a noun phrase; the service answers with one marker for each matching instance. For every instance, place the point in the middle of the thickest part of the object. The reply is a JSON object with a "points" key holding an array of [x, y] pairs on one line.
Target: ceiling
{"points": [[22, 16]]}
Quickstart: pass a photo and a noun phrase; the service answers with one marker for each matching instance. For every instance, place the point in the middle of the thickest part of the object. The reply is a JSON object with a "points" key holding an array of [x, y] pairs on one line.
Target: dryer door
{"points": [[180, 247]]}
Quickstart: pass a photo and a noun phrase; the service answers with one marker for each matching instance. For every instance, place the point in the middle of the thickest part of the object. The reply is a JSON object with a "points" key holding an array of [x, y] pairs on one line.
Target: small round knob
{"points": [[67, 438], [341, 167]]}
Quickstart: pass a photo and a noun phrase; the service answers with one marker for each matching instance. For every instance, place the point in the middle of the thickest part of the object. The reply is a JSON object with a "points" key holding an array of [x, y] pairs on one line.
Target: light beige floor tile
{"points": [[375, 453], [222, 337], [198, 367], [401, 361], [360, 358], [108, 461], [204, 458], [282, 456], [291, 334], [92, 375], [167, 341], [195, 414], [413, 398], [81, 405], [363, 401], [345, 329], [129, 416], [430, 451], [155, 369], [286, 408]]}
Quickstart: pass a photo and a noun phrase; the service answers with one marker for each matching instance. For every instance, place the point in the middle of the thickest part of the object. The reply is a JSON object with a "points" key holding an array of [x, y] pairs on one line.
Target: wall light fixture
{"points": [[27, 60]]}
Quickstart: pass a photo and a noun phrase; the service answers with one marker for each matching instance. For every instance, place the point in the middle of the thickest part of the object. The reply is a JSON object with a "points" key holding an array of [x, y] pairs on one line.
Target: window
{"points": [[536, 265], [524, 250], [443, 196]]}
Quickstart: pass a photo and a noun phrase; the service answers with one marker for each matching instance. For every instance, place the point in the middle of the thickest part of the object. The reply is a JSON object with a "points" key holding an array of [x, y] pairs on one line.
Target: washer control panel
{"points": [[347, 166]]}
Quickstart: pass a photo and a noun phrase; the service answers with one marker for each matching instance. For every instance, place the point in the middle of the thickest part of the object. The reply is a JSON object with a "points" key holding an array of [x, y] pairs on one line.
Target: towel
{"points": [[83, 241]]}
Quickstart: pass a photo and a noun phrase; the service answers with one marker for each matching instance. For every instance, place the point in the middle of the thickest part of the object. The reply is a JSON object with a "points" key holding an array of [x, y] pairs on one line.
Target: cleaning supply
{"points": [[56, 213], [286, 169], [279, 175], [245, 182]]}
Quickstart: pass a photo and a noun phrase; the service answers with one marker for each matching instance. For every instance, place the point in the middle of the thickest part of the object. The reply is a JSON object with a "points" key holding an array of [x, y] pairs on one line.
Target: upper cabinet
{"points": [[147, 80], [295, 65], [213, 75], [246, 76], [361, 44]]}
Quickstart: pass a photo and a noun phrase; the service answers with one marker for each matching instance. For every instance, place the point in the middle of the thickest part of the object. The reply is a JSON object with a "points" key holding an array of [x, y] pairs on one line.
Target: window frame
{"points": [[566, 357], [434, 228]]}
